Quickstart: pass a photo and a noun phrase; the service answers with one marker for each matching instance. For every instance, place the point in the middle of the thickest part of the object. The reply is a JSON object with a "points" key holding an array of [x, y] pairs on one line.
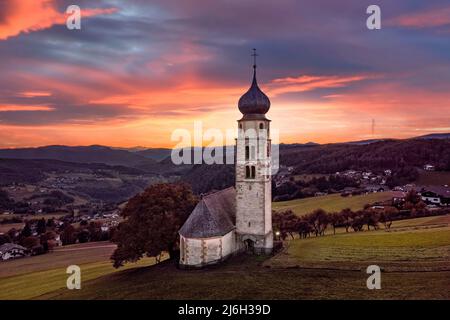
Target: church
{"points": [[239, 218]]}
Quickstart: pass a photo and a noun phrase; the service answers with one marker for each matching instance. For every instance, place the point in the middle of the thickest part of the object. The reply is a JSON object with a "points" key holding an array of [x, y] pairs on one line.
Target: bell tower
{"points": [[253, 171]]}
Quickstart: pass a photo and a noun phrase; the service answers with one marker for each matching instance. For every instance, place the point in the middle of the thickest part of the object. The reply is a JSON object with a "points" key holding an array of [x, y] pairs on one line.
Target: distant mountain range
{"points": [[34, 164], [156, 154], [439, 136], [150, 159], [88, 154], [434, 136]]}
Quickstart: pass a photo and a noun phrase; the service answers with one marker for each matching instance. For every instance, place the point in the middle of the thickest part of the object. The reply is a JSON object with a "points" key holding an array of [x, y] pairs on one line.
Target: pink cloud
{"points": [[4, 108], [310, 83], [24, 16], [435, 17]]}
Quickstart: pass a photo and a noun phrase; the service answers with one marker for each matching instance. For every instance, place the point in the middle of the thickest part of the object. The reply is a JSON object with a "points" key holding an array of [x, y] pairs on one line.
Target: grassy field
{"points": [[434, 178], [422, 222], [31, 277], [330, 203], [243, 277], [330, 267], [412, 250]]}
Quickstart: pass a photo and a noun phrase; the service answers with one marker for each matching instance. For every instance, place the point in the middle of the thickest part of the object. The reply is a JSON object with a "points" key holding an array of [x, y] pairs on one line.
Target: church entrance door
{"points": [[250, 246]]}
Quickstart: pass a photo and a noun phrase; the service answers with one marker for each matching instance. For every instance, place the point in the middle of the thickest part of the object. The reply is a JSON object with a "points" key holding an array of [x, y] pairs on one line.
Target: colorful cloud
{"points": [[24, 16], [132, 77]]}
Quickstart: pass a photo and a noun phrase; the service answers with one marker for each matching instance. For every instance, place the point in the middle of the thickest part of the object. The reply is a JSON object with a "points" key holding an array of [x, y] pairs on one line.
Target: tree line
{"points": [[287, 223]]}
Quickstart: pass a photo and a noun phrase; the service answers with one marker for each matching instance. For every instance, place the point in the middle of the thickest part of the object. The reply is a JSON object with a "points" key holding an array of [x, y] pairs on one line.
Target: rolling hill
{"points": [[83, 154], [157, 154]]}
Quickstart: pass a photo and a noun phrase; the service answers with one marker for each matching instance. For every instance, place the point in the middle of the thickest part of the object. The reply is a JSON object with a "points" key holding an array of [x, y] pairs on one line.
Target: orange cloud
{"points": [[309, 83], [432, 18], [24, 108], [34, 94], [23, 16]]}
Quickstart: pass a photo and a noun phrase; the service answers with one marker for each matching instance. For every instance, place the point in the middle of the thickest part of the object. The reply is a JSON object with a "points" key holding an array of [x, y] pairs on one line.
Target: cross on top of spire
{"points": [[254, 55]]}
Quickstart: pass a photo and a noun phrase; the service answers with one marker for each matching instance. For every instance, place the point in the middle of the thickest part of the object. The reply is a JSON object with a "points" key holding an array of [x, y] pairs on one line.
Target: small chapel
{"points": [[239, 218]]}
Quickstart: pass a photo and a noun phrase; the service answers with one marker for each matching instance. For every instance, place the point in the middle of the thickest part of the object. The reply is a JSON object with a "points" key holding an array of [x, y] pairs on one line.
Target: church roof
{"points": [[254, 102], [214, 216]]}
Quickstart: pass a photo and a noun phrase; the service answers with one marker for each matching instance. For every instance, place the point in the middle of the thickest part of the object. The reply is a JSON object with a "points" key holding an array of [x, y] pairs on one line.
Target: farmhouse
{"points": [[12, 251], [398, 197], [240, 218], [436, 195]]}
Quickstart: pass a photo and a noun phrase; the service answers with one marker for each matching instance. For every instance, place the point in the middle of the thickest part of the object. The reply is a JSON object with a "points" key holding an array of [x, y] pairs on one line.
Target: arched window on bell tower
{"points": [[250, 172]]}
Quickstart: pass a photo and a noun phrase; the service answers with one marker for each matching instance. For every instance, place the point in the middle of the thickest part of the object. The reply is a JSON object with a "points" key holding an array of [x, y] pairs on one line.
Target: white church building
{"points": [[238, 218]]}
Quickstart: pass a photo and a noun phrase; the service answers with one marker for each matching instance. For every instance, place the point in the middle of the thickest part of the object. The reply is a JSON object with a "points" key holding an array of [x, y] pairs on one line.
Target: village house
{"points": [[398, 197], [12, 251], [438, 195], [375, 188]]}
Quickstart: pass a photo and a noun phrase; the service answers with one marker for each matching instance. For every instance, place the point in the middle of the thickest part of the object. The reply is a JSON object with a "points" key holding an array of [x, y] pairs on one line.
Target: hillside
{"points": [[438, 178], [156, 154], [331, 203], [401, 156], [88, 154], [279, 277], [435, 136], [21, 280], [87, 180], [391, 154], [34, 170]]}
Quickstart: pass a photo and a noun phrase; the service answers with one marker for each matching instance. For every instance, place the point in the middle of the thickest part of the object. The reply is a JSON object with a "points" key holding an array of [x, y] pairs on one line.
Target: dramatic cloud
{"points": [[24, 108], [140, 69], [23, 16], [309, 83]]}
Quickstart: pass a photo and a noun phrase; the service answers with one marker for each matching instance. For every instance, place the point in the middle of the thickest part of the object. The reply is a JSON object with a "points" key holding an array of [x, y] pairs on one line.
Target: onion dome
{"points": [[254, 101]]}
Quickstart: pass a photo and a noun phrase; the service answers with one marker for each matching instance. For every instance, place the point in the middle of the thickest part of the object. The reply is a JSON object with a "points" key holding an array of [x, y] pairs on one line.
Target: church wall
{"points": [[199, 252]]}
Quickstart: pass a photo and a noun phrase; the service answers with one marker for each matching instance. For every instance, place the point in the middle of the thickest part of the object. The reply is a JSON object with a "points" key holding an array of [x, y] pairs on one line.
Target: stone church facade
{"points": [[238, 218]]}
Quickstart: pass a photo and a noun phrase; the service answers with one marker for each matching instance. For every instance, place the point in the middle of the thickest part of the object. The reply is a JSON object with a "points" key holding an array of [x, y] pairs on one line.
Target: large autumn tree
{"points": [[152, 221]]}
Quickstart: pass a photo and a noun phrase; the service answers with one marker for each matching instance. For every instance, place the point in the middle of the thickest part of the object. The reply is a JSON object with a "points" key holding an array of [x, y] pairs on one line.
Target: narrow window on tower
{"points": [[261, 126], [247, 172], [247, 152], [268, 149], [253, 172], [183, 249]]}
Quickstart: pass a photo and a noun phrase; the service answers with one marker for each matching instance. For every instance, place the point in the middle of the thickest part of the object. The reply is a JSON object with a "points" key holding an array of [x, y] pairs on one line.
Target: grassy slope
{"points": [[332, 202], [427, 245], [60, 258], [34, 276], [28, 286], [244, 278], [331, 275]]}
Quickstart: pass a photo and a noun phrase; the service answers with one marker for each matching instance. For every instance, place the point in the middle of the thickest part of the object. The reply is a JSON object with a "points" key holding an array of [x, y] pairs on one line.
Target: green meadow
{"points": [[330, 203]]}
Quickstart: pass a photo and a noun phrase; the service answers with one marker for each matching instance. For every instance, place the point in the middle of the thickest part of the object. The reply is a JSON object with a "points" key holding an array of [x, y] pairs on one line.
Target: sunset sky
{"points": [[137, 70]]}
